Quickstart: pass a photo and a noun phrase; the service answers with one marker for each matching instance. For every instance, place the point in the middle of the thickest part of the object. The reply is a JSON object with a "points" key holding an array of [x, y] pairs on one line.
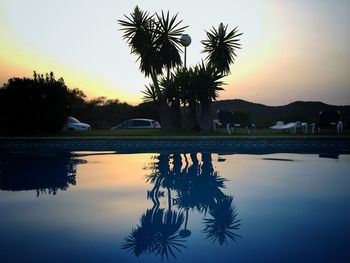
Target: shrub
{"points": [[33, 105]]}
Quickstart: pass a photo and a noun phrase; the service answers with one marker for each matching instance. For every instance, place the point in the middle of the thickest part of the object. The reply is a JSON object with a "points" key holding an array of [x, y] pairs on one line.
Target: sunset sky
{"points": [[291, 49]]}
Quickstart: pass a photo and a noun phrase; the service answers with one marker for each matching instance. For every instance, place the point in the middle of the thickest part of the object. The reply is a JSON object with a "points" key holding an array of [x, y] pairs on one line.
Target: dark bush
{"points": [[242, 117], [35, 105], [146, 110]]}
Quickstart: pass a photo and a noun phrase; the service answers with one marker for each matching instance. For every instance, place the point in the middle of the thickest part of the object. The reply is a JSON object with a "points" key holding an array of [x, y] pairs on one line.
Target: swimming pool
{"points": [[174, 207]]}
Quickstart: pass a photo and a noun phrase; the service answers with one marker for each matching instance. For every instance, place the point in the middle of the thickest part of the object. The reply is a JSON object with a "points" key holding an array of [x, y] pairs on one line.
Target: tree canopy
{"points": [[156, 42], [33, 105]]}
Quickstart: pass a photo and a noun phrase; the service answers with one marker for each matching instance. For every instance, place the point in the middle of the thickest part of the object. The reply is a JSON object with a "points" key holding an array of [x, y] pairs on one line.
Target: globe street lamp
{"points": [[185, 40]]}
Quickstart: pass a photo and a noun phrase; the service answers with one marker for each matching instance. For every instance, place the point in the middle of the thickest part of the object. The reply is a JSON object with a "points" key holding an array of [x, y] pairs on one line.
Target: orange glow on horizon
{"points": [[18, 61], [283, 57]]}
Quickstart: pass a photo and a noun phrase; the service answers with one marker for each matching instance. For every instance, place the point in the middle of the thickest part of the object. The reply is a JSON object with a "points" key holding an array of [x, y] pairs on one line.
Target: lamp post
{"points": [[185, 41]]}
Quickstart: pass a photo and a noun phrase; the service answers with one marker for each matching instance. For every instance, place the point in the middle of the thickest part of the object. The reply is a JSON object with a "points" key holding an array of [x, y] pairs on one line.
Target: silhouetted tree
{"points": [[221, 46], [33, 105], [146, 110], [155, 40], [76, 101], [208, 81], [184, 80]]}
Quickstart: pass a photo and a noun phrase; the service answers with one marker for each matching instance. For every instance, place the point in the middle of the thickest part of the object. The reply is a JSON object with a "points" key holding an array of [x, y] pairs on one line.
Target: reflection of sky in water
{"points": [[290, 211]]}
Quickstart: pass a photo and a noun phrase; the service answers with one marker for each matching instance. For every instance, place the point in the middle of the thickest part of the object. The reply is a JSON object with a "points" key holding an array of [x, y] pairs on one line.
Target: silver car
{"points": [[138, 124], [72, 124]]}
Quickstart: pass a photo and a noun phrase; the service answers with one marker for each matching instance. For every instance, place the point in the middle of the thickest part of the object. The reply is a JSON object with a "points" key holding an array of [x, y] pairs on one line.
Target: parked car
{"points": [[138, 124], [72, 124]]}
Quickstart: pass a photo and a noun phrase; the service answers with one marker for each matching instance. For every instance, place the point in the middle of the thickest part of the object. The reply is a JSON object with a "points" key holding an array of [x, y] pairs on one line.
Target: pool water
{"points": [[182, 207]]}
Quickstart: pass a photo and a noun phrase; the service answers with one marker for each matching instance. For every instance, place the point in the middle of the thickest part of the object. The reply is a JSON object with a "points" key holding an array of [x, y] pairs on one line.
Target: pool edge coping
{"points": [[177, 143]]}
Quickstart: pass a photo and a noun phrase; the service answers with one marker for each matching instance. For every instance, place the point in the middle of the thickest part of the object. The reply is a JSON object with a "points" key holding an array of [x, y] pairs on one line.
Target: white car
{"points": [[72, 124], [138, 124]]}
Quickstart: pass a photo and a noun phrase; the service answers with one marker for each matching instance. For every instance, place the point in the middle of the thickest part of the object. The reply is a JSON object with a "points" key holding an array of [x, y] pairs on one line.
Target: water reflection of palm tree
{"points": [[223, 222], [200, 188], [157, 233], [158, 229], [185, 232], [197, 186], [160, 172], [172, 175]]}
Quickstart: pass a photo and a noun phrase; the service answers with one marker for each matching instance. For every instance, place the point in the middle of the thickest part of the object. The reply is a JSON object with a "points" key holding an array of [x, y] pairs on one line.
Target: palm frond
{"points": [[208, 80], [221, 46], [169, 32], [150, 94]]}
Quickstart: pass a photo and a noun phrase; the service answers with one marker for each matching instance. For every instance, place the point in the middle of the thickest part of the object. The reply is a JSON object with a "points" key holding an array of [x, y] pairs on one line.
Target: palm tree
{"points": [[169, 34], [139, 33], [149, 94], [155, 42], [187, 90], [208, 81], [221, 47], [201, 83], [172, 94]]}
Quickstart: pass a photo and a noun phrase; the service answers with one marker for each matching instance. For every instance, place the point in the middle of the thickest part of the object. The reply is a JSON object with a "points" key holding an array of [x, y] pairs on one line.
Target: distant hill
{"points": [[265, 116]]}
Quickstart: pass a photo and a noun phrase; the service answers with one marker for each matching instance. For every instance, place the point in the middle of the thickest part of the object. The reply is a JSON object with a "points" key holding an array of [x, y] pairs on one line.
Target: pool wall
{"points": [[247, 144]]}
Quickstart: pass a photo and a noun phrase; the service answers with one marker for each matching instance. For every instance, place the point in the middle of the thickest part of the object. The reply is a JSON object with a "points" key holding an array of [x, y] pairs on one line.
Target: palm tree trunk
{"points": [[193, 114], [205, 120], [175, 114], [164, 116], [174, 107], [163, 108]]}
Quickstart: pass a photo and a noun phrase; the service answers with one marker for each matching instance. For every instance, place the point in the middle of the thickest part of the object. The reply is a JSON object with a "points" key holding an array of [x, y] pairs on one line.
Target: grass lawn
{"points": [[160, 133], [180, 133]]}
